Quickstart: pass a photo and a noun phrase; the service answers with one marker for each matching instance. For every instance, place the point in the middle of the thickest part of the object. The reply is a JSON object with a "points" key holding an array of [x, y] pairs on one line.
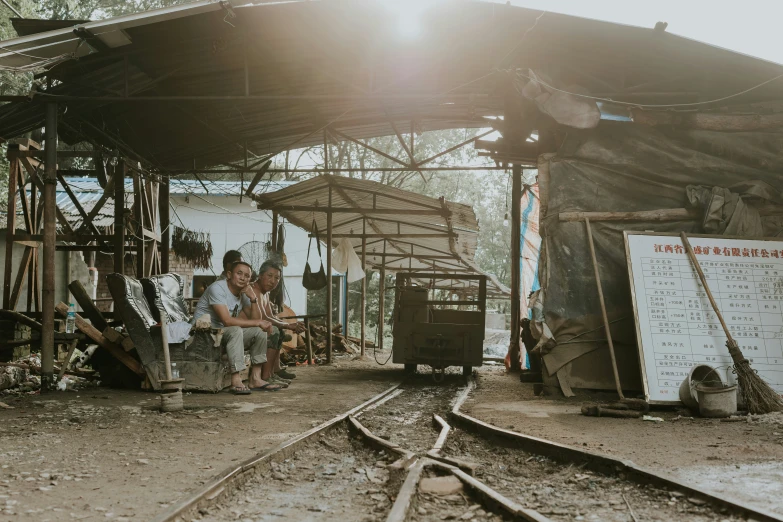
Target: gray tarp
{"points": [[628, 167]]}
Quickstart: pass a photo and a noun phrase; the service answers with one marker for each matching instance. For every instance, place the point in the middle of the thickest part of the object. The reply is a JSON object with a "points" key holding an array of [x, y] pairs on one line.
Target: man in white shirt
{"points": [[232, 305]]}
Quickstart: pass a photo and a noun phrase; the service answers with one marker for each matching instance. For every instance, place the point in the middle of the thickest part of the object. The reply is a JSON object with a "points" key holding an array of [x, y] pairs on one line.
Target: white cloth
{"points": [[179, 331], [344, 259]]}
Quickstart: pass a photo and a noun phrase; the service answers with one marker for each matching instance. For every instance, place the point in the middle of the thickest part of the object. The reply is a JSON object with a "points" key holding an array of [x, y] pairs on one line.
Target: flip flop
{"points": [[266, 387], [236, 390]]}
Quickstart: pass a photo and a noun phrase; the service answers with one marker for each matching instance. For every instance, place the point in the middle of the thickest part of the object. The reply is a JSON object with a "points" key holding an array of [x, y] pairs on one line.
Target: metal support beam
{"points": [[364, 286], [329, 281], [119, 217], [516, 258], [381, 297], [443, 235], [363, 211], [49, 232], [165, 224]]}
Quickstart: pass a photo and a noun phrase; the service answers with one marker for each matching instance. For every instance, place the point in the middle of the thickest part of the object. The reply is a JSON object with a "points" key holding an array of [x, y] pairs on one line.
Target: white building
{"points": [[215, 207]]}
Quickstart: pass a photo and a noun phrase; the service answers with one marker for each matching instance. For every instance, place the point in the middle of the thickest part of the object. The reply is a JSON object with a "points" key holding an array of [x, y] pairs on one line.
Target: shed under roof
{"points": [[272, 76], [404, 231]]}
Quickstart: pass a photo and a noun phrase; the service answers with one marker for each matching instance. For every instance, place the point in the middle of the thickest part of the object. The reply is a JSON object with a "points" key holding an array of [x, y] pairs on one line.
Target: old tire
{"points": [[467, 371]]}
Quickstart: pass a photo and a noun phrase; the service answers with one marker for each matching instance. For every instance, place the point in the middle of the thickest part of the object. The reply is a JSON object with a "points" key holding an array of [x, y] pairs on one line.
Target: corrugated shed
{"points": [[451, 229]]}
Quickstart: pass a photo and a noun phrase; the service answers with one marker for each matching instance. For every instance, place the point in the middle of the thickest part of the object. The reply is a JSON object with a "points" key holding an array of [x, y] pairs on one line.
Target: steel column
{"points": [[363, 304], [119, 217], [329, 281], [516, 257], [381, 297], [165, 223]]}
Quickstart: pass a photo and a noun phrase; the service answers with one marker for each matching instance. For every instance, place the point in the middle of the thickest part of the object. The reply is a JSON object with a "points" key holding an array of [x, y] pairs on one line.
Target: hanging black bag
{"points": [[310, 280]]}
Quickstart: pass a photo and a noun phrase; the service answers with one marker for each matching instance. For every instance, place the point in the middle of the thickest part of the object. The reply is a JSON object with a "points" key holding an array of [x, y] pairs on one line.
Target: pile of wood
{"points": [[341, 344]]}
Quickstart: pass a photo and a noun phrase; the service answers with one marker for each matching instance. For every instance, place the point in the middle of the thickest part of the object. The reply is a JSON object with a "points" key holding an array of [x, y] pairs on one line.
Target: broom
{"points": [[759, 397]]}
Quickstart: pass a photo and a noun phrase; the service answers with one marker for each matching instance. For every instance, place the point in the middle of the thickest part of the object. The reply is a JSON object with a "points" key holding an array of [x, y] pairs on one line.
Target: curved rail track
{"points": [[409, 453]]}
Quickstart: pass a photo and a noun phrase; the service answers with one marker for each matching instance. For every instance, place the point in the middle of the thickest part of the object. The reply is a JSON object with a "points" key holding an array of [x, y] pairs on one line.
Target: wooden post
{"points": [[516, 258], [309, 340], [49, 238], [363, 304], [381, 297], [603, 309], [165, 224], [10, 228], [275, 220], [329, 280], [119, 217]]}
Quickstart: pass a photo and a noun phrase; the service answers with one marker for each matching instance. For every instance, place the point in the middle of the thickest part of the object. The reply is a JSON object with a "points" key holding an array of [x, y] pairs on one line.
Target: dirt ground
{"points": [[111, 455], [107, 454], [743, 460]]}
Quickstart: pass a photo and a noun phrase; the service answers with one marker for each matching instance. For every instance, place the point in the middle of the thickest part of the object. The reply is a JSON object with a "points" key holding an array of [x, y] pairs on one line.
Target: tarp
{"points": [[628, 167], [531, 245]]}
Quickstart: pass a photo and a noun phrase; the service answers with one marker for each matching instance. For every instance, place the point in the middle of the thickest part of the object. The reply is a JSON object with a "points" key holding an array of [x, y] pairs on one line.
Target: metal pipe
{"points": [[436, 98], [165, 224], [364, 285], [49, 239], [119, 217], [381, 297], [329, 281], [516, 257]]}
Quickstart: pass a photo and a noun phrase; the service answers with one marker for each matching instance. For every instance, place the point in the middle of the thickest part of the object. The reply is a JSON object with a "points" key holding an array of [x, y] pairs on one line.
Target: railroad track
{"points": [[409, 453]]}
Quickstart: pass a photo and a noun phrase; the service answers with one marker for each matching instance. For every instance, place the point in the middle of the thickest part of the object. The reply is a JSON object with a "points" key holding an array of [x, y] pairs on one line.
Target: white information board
{"points": [[675, 324]]}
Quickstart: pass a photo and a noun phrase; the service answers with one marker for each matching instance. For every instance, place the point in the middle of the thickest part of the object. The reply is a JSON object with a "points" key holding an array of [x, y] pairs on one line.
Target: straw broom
{"points": [[758, 395]]}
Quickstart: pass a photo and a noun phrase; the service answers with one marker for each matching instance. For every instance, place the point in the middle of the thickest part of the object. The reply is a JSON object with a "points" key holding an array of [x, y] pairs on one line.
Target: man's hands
{"points": [[250, 293], [265, 326], [297, 327]]}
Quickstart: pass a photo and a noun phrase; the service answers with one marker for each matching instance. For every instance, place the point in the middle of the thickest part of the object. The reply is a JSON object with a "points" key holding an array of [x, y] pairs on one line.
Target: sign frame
{"points": [[639, 346]]}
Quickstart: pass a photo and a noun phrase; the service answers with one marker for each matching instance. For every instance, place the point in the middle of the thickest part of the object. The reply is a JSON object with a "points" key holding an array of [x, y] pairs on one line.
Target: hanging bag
{"points": [[310, 280]]}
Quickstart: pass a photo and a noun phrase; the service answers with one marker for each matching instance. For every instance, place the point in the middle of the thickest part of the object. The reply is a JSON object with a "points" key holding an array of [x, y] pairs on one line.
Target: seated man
{"points": [[229, 258], [233, 306], [268, 278]]}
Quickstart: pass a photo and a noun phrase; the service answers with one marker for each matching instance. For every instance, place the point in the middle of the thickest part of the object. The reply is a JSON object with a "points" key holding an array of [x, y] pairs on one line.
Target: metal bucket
{"points": [[717, 401], [701, 373]]}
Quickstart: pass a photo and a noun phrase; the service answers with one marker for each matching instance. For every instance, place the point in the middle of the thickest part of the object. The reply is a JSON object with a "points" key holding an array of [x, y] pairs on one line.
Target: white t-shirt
{"points": [[217, 294]]}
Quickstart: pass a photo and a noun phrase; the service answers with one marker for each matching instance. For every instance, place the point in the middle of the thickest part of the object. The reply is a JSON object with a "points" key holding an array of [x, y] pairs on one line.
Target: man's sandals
{"points": [[240, 390], [268, 387]]}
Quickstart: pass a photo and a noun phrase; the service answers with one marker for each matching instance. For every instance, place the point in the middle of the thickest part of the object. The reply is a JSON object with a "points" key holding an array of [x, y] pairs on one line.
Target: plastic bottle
{"points": [[174, 371], [70, 320]]}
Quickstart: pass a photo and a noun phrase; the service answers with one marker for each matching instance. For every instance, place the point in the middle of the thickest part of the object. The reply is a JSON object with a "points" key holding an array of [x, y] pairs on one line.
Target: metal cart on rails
{"points": [[439, 332]]}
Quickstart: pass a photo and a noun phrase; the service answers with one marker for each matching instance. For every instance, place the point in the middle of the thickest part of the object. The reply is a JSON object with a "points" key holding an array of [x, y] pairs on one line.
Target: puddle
{"points": [[247, 407], [760, 484]]}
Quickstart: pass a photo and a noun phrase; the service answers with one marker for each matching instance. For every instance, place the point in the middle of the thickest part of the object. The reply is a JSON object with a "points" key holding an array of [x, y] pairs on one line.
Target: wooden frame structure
{"points": [[32, 195]]}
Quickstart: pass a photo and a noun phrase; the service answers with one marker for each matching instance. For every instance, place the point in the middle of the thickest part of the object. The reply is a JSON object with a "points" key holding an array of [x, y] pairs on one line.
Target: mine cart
{"points": [[430, 329]]}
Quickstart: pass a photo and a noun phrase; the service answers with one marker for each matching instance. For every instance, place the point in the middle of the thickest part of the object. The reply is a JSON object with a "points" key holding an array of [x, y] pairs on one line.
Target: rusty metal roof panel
{"points": [[340, 64]]}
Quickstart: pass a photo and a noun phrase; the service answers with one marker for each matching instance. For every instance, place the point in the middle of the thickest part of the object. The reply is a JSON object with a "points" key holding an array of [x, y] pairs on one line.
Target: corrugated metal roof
{"points": [[336, 53], [451, 228], [88, 192]]}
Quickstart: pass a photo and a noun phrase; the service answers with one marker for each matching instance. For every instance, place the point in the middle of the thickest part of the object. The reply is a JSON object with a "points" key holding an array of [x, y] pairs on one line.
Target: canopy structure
{"points": [[398, 229], [217, 87], [212, 82]]}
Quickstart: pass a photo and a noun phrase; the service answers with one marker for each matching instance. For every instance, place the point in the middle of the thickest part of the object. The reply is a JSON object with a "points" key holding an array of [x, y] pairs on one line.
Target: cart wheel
{"points": [[466, 371], [410, 368]]}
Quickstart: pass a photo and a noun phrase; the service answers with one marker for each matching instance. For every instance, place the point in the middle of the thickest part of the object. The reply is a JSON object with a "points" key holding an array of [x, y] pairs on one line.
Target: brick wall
{"points": [[105, 265]]}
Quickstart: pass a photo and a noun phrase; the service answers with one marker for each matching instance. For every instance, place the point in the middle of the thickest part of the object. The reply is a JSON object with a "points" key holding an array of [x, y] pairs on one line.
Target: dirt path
{"points": [[740, 459], [108, 454]]}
